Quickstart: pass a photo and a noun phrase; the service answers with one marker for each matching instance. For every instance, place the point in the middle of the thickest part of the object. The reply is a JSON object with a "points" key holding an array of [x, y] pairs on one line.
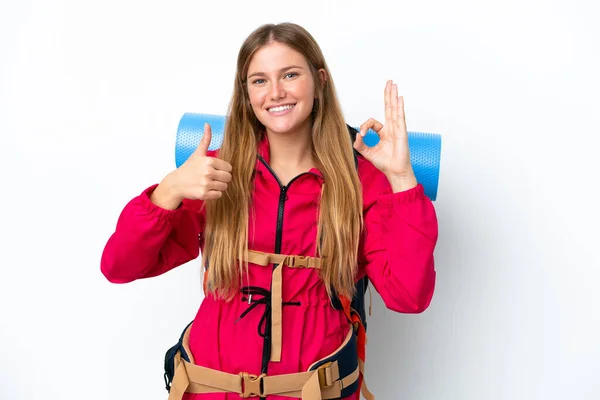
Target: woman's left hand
{"points": [[391, 155]]}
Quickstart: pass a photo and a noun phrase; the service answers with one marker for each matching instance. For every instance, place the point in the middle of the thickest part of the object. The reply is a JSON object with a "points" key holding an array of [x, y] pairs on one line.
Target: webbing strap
{"points": [[191, 378], [180, 382], [363, 389], [291, 261], [277, 314]]}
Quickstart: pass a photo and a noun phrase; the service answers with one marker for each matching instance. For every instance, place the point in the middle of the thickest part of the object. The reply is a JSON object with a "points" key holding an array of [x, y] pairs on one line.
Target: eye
{"points": [[291, 73], [258, 81]]}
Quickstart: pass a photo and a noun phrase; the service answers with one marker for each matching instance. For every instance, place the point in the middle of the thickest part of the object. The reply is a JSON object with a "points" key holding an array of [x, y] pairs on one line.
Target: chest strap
{"points": [[281, 260]]}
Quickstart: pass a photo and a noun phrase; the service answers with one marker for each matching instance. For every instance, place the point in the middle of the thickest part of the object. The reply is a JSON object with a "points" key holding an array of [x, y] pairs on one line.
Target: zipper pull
{"points": [[284, 191]]}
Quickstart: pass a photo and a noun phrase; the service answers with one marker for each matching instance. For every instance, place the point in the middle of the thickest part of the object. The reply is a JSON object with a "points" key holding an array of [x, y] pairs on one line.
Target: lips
{"points": [[280, 108]]}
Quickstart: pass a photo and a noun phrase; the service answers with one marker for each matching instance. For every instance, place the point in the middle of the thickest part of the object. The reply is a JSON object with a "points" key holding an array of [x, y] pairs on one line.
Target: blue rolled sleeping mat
{"points": [[425, 148]]}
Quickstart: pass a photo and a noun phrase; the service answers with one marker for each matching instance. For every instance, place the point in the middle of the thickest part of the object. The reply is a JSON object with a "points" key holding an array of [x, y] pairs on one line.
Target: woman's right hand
{"points": [[200, 177]]}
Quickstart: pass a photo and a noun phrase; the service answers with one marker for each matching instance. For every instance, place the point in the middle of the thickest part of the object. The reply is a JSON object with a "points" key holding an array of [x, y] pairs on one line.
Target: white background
{"points": [[91, 93]]}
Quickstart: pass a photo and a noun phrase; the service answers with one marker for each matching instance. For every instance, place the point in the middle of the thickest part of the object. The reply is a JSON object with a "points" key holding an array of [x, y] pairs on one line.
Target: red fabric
{"points": [[361, 334], [396, 252]]}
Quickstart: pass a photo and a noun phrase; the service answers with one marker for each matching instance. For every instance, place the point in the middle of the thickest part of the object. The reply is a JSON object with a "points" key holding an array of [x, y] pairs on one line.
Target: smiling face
{"points": [[281, 89]]}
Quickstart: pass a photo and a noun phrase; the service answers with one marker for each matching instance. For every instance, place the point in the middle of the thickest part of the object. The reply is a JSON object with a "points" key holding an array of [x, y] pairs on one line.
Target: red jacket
{"points": [[396, 253]]}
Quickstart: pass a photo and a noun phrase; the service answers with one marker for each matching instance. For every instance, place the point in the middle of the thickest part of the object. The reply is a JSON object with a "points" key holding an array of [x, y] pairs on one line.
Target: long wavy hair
{"points": [[340, 219]]}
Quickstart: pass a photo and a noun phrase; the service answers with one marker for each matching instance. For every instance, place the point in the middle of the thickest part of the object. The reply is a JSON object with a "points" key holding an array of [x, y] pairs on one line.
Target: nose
{"points": [[277, 91]]}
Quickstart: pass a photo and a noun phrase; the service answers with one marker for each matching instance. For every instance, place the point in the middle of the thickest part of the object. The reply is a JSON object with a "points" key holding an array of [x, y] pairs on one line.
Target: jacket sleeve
{"points": [[397, 246], [149, 240]]}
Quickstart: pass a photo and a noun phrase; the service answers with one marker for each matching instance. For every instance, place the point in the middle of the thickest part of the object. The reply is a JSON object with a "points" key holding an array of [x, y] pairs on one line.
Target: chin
{"points": [[281, 127]]}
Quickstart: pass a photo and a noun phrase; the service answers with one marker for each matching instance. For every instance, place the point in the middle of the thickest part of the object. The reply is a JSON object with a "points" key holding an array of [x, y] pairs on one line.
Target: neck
{"points": [[291, 151]]}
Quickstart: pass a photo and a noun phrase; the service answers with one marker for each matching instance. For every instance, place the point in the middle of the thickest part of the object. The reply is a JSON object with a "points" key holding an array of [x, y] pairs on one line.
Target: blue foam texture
{"points": [[425, 148]]}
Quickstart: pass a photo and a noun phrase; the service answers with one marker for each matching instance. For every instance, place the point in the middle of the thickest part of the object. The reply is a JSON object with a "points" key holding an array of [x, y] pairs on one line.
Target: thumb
{"points": [[359, 145], [205, 141]]}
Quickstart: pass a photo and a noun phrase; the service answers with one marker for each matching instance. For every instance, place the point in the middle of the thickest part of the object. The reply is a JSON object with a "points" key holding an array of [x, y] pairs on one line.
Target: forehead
{"points": [[273, 57]]}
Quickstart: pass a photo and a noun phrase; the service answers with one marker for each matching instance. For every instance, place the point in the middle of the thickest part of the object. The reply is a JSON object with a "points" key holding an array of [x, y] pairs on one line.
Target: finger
{"points": [[394, 102], [221, 176], [205, 141], [216, 185], [371, 123], [359, 144], [212, 195], [401, 115], [388, 102], [220, 165]]}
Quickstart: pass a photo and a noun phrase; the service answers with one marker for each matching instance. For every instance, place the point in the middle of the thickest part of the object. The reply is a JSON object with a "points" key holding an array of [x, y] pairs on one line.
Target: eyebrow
{"points": [[281, 70]]}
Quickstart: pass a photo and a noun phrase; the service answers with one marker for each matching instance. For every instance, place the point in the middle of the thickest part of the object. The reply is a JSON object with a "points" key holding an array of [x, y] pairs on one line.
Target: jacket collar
{"points": [[264, 152]]}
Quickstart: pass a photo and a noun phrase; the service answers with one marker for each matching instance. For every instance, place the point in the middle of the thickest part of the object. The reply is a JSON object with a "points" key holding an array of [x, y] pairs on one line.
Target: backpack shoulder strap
{"points": [[353, 132], [358, 301]]}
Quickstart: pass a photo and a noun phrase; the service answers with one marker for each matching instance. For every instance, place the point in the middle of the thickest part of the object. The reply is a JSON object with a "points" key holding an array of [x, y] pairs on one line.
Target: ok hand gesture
{"points": [[391, 155]]}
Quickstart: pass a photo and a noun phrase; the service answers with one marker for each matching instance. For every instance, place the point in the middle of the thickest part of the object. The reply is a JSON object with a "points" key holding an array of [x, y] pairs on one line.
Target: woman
{"points": [[288, 218]]}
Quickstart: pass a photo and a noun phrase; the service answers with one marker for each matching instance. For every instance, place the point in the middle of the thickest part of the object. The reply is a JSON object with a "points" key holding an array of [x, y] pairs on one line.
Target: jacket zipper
{"points": [[266, 356], [279, 233]]}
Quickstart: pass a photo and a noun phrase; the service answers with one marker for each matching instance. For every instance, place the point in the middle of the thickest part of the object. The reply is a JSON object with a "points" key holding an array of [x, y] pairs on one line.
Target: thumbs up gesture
{"points": [[200, 177]]}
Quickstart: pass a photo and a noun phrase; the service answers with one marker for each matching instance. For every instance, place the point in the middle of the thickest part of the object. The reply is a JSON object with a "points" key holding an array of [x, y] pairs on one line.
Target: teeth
{"points": [[281, 108]]}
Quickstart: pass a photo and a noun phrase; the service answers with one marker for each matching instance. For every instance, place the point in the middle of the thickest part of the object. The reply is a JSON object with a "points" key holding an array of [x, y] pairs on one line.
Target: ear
{"points": [[322, 77]]}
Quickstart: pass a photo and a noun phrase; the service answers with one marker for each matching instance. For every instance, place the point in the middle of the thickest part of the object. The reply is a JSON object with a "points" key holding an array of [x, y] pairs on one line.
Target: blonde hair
{"points": [[340, 211]]}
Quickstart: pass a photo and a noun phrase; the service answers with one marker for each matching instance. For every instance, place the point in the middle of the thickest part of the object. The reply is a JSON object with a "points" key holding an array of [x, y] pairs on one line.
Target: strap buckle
{"points": [[252, 385], [299, 261], [325, 375]]}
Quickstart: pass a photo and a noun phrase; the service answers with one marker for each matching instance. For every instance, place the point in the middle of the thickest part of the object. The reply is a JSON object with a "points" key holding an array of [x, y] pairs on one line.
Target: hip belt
{"points": [[333, 377]]}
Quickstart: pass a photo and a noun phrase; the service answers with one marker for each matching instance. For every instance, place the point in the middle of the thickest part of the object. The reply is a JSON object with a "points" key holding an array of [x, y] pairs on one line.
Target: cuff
{"points": [[405, 197], [148, 206]]}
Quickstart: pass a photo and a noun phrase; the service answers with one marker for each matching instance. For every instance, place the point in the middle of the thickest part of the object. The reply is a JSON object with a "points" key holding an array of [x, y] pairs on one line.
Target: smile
{"points": [[281, 108]]}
